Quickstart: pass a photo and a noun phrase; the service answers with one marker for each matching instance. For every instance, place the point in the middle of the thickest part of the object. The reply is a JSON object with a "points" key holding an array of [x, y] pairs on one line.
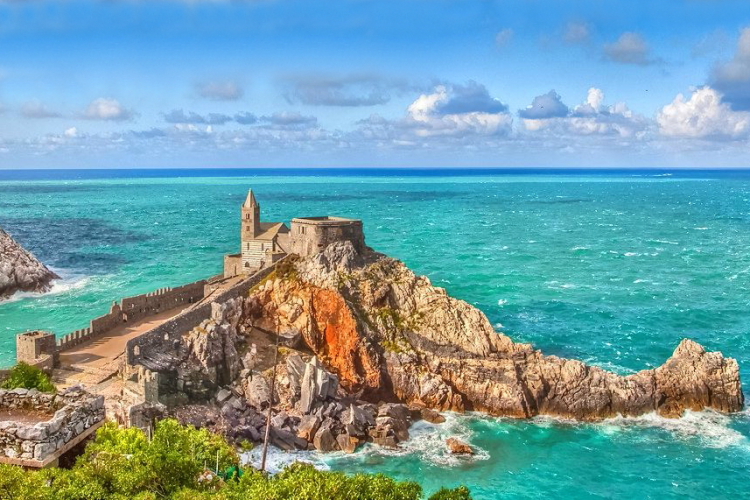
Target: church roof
{"points": [[269, 230], [250, 201]]}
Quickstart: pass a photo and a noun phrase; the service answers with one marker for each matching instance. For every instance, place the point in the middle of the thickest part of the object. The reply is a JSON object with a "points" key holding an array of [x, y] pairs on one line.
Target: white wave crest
{"points": [[278, 459], [710, 428], [427, 442], [59, 286]]}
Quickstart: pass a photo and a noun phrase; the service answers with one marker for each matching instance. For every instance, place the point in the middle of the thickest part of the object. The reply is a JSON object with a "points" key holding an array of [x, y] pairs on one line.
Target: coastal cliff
{"points": [[20, 270], [388, 334]]}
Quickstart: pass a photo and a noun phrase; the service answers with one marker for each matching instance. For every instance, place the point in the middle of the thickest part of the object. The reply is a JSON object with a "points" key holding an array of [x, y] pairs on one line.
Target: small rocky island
{"points": [[20, 270], [342, 345]]}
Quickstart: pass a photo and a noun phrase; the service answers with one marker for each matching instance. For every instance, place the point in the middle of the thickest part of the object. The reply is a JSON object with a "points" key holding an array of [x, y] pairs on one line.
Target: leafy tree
{"points": [[25, 376]]}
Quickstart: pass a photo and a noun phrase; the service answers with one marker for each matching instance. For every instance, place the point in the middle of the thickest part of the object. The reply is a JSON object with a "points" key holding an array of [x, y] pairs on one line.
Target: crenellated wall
{"points": [[129, 309], [161, 338]]}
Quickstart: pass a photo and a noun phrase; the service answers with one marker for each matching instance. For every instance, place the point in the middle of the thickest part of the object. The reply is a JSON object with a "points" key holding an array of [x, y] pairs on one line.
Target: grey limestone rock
{"points": [[20, 270]]}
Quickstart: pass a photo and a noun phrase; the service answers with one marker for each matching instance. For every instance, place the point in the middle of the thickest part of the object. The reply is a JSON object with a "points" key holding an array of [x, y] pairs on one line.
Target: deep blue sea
{"points": [[611, 267]]}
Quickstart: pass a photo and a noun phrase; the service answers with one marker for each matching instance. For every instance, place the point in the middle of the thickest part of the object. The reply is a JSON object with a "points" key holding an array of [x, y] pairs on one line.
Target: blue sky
{"points": [[126, 83]]}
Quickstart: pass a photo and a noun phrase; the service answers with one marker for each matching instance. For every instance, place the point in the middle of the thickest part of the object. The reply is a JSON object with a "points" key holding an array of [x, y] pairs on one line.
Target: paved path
{"points": [[97, 360]]}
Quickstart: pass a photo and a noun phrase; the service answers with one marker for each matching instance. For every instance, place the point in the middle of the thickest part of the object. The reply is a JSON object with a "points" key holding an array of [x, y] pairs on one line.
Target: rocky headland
{"points": [[368, 347], [20, 270]]}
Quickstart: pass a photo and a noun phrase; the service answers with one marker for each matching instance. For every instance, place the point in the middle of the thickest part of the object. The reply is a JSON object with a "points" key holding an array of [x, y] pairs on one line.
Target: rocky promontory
{"points": [[390, 334], [368, 347], [20, 270]]}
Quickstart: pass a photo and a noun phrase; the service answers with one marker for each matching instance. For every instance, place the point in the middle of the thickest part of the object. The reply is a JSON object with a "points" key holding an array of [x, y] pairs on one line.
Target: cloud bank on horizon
{"points": [[366, 83]]}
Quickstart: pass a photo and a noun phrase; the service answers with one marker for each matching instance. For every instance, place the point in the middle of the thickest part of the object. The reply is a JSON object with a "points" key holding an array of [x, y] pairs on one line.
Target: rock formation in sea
{"points": [[373, 347], [20, 270], [389, 334]]}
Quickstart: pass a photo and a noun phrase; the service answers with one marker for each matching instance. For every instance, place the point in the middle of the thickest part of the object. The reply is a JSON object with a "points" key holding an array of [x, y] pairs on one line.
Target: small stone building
{"points": [[263, 243], [310, 235]]}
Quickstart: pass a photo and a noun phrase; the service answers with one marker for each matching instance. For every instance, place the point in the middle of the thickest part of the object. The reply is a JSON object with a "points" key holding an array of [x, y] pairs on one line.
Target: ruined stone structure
{"points": [[46, 425], [264, 243]]}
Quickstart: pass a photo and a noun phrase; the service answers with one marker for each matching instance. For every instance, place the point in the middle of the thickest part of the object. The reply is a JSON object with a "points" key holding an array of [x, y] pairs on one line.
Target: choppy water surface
{"points": [[612, 269]]}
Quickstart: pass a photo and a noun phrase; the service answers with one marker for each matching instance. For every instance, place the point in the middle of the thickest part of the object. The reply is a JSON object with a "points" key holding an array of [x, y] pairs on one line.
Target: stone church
{"points": [[264, 243]]}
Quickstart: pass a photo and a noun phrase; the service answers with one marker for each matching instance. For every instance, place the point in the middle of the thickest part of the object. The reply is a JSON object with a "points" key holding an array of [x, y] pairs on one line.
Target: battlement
{"points": [[42, 349], [37, 348]]}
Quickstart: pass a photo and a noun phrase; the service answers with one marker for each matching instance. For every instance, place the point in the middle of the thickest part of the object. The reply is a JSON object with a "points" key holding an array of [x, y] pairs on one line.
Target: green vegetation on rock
{"points": [[26, 376], [179, 462]]}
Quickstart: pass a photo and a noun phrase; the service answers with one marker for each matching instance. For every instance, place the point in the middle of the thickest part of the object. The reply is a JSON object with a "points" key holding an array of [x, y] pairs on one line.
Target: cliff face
{"points": [[389, 334], [20, 270]]}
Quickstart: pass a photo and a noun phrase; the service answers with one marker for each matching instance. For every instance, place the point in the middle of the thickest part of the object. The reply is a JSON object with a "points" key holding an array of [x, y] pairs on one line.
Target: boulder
{"points": [[317, 385], [308, 426], [223, 395], [324, 440], [295, 369], [347, 442], [383, 437], [257, 391], [458, 447], [20, 270], [431, 416], [286, 440]]}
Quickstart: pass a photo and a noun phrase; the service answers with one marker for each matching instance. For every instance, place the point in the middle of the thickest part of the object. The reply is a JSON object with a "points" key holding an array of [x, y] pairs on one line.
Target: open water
{"points": [[613, 268]]}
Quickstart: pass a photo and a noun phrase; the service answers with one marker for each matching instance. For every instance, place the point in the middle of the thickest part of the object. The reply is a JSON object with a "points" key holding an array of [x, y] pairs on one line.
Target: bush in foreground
{"points": [[26, 376], [123, 464]]}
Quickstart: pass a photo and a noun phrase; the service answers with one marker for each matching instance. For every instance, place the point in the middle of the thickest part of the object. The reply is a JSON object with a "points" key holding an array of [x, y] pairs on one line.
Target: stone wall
{"points": [[310, 235], [150, 346], [134, 309], [66, 419], [37, 348]]}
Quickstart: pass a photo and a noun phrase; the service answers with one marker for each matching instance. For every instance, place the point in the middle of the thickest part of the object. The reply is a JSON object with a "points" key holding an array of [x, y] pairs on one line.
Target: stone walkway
{"points": [[97, 360]]}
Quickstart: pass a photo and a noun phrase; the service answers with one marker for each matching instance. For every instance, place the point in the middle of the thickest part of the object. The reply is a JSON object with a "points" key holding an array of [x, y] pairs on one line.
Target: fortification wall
{"points": [[160, 339], [134, 309], [311, 235]]}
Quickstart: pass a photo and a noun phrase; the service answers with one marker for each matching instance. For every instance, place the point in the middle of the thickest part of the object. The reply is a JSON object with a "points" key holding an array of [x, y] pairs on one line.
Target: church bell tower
{"points": [[250, 217]]}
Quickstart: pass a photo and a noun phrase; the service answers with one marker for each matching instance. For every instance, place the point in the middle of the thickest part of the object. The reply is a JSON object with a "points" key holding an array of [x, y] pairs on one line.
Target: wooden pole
{"points": [[270, 405]]}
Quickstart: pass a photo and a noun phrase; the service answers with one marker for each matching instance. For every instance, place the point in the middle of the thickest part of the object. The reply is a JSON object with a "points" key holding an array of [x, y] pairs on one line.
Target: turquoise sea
{"points": [[613, 268]]}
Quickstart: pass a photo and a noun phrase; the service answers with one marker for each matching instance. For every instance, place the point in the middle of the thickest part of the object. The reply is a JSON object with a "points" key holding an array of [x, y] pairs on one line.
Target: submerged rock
{"points": [[20, 271]]}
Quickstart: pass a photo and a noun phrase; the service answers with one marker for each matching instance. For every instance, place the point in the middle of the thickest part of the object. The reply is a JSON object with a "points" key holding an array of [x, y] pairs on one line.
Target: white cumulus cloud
{"points": [[703, 115], [591, 117], [458, 111], [107, 109]]}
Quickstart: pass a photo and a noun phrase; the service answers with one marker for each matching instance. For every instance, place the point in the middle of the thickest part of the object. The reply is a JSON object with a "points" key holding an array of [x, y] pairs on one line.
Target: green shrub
{"points": [[26, 376], [122, 464], [460, 493]]}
